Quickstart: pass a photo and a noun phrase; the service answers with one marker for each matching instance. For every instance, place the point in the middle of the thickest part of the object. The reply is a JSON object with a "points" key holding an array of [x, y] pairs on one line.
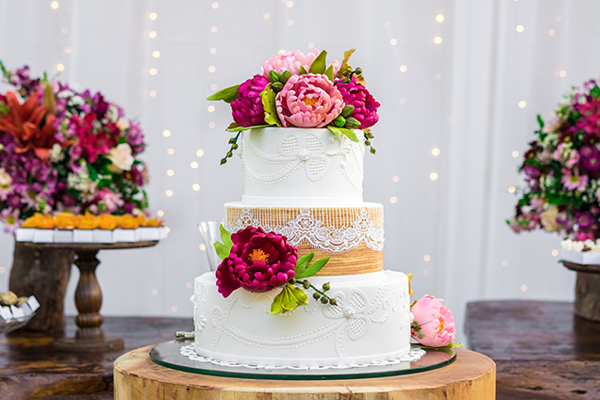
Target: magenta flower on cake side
{"points": [[308, 101], [247, 109], [258, 262], [357, 95]]}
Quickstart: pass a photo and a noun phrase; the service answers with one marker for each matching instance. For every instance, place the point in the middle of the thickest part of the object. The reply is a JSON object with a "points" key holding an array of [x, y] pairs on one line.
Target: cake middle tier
{"points": [[351, 236]]}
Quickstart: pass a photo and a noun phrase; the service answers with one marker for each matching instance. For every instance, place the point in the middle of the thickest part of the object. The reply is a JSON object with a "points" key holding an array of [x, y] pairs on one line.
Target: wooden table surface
{"points": [[542, 351], [30, 368]]}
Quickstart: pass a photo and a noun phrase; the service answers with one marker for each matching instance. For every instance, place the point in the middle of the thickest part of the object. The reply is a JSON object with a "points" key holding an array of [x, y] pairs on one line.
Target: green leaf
{"points": [[227, 95], [540, 121], [222, 250], [345, 66], [268, 100], [350, 134], [318, 66], [226, 237], [334, 130], [302, 70], [288, 299], [303, 262], [329, 73], [595, 92], [238, 128], [93, 174], [312, 269]]}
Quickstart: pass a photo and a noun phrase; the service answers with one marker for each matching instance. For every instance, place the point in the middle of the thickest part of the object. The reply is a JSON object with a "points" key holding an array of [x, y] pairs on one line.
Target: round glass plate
{"points": [[169, 355]]}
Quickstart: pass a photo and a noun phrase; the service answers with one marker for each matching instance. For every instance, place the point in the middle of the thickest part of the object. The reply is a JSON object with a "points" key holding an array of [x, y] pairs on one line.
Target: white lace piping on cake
{"points": [[414, 354], [306, 228]]}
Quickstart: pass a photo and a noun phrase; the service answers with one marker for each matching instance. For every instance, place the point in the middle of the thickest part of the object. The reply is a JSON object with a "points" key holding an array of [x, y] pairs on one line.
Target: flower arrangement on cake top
{"points": [[64, 150], [303, 91], [562, 170]]}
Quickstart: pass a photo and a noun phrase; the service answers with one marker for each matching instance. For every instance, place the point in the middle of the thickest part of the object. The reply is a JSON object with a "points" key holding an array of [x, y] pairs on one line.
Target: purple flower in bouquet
{"points": [[258, 262], [531, 171], [247, 109], [585, 220], [10, 218], [308, 101], [590, 158], [357, 95], [574, 182], [135, 138]]}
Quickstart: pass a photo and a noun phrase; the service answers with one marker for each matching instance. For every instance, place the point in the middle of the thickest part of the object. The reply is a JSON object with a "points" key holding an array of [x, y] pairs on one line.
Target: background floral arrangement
{"points": [[297, 90], [62, 150], [562, 170]]}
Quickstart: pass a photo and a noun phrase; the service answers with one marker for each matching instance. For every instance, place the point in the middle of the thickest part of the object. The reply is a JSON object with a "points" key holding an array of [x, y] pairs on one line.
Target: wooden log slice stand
{"points": [[88, 295], [587, 290], [137, 377]]}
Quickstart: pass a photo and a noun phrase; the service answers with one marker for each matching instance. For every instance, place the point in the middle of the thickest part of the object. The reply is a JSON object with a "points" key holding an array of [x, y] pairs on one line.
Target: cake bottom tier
{"points": [[370, 323]]}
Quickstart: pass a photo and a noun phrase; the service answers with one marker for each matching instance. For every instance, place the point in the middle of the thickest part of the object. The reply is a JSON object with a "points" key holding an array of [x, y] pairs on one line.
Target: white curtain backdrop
{"points": [[466, 77]]}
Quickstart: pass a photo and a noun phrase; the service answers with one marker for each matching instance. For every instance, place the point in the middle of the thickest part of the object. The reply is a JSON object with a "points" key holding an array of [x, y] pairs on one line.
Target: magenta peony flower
{"points": [[291, 61], [433, 325], [247, 109], [258, 262], [308, 101], [590, 158], [365, 106]]}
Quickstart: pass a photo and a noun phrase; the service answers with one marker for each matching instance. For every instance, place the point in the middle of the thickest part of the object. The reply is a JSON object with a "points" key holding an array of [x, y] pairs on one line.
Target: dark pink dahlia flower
{"points": [[247, 109], [365, 106], [258, 262]]}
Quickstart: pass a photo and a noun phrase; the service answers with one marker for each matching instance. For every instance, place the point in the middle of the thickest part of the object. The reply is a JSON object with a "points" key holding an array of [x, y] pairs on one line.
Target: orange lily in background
{"points": [[24, 123]]}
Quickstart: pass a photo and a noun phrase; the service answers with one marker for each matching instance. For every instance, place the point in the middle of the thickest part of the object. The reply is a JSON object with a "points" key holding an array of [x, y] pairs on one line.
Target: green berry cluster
{"points": [[319, 294], [234, 146], [278, 81]]}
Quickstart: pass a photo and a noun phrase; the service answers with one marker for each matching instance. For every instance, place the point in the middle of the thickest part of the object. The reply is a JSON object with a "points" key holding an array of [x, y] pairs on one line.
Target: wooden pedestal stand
{"points": [[471, 376], [587, 290], [88, 296]]}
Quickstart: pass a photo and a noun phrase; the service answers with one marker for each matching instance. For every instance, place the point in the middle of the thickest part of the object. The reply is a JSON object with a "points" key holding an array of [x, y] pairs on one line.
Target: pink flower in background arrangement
{"points": [[308, 101], [258, 262], [291, 61], [247, 109], [433, 325], [365, 106], [574, 182]]}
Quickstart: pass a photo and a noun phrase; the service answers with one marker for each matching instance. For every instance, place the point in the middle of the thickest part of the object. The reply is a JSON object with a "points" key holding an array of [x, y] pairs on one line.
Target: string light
{"points": [[153, 71], [154, 292], [387, 25], [54, 5], [393, 41], [174, 309], [60, 67], [194, 164], [426, 272], [160, 213], [67, 50], [562, 74], [511, 189], [393, 199], [213, 87], [152, 34], [504, 263], [435, 151], [166, 133], [169, 193], [196, 187], [290, 22], [437, 40], [439, 18], [558, 18], [188, 285], [170, 172], [437, 77], [215, 5], [523, 288], [433, 176], [403, 68], [522, 104], [213, 50], [554, 253], [202, 247], [426, 258], [396, 179], [64, 29], [212, 69], [551, 32], [168, 229], [266, 16], [153, 16], [311, 45], [520, 28], [170, 151], [211, 124], [515, 154], [2, 270], [281, 51], [290, 4], [156, 54], [199, 153], [214, 29], [210, 108], [152, 93]]}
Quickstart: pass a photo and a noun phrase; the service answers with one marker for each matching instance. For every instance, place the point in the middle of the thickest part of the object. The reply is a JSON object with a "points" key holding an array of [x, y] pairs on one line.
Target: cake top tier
{"points": [[301, 167]]}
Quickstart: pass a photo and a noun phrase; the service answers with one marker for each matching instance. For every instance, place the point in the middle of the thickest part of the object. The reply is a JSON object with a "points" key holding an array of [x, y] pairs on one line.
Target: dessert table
{"points": [[541, 349]]}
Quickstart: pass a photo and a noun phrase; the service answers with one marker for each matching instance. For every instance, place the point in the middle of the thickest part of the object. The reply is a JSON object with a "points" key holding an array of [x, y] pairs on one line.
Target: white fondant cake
{"points": [[371, 322], [301, 167], [306, 184]]}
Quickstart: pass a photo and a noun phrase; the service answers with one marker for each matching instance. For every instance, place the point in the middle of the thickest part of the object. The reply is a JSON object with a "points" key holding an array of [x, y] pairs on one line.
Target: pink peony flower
{"points": [[291, 61], [247, 109], [365, 106], [308, 101], [574, 182], [258, 262], [433, 325]]}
